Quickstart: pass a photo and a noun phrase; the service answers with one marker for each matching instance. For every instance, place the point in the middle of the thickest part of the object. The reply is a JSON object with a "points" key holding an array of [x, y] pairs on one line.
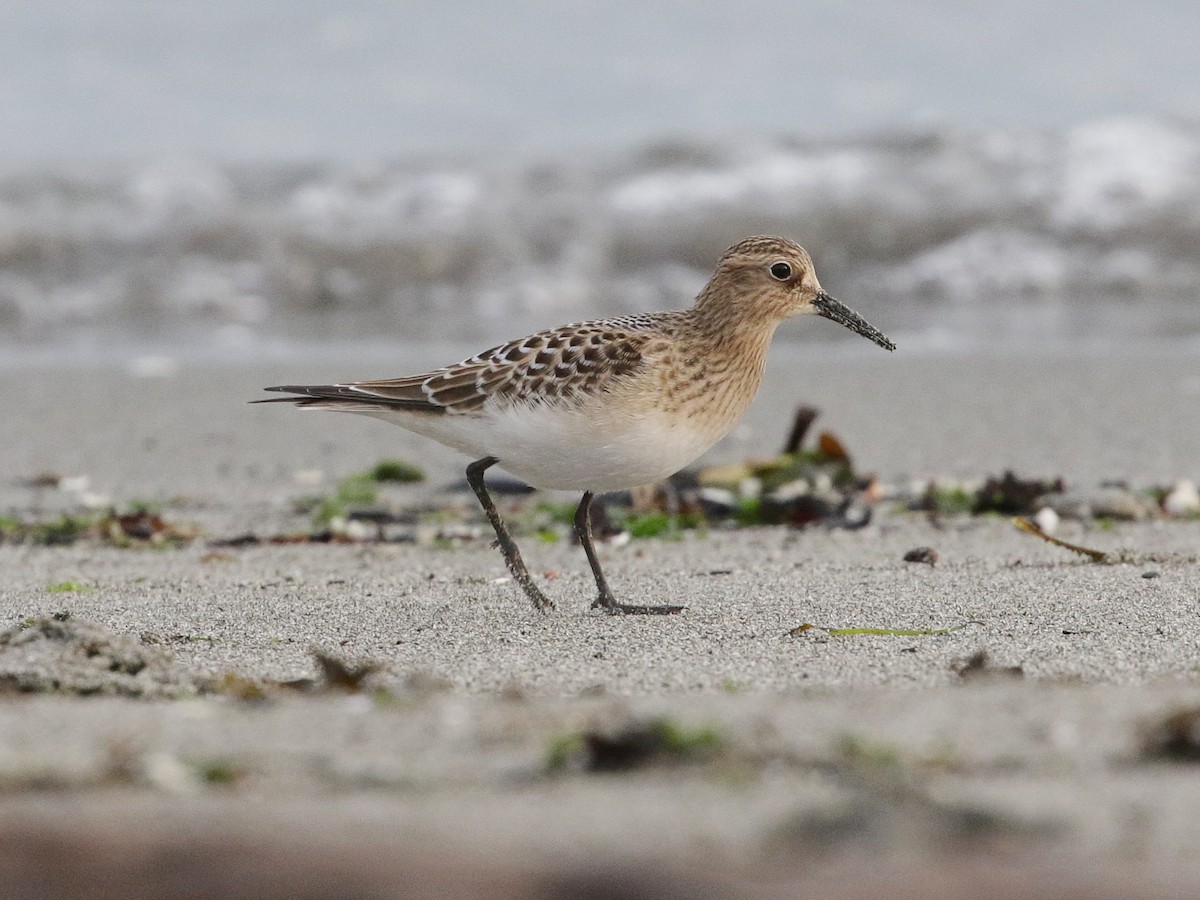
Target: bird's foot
{"points": [[613, 608]]}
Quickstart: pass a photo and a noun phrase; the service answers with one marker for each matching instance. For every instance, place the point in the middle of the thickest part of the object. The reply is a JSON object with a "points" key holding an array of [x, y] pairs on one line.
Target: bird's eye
{"points": [[781, 271]]}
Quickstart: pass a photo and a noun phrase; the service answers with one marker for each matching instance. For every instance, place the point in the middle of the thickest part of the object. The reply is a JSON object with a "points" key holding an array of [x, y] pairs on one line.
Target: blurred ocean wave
{"points": [[950, 238]]}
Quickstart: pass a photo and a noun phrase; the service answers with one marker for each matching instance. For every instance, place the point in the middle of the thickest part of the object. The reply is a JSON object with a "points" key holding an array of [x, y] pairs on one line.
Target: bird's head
{"points": [[770, 279]]}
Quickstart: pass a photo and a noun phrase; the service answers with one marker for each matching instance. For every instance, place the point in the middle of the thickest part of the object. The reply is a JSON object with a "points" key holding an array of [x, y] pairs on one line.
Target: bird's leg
{"points": [[512, 556], [606, 600]]}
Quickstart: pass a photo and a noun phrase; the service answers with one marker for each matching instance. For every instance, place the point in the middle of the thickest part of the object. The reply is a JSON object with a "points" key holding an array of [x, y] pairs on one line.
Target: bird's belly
{"points": [[607, 461], [553, 448]]}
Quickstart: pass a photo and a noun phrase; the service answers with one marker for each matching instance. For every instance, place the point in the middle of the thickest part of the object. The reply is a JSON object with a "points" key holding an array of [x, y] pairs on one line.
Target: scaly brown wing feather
{"points": [[567, 363]]}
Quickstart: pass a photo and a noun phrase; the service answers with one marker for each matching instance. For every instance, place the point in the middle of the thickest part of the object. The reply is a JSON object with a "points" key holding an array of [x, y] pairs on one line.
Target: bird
{"points": [[608, 404]]}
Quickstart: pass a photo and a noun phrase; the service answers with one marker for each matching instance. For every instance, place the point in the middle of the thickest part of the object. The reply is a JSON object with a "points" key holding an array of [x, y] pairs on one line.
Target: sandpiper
{"points": [[609, 404]]}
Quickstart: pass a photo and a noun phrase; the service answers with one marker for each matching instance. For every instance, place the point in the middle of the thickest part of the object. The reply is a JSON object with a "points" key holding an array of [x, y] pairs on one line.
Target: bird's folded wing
{"points": [[568, 363]]}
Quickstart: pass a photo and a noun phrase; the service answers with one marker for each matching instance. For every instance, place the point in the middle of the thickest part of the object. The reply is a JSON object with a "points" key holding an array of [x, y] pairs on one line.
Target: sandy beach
{"points": [[944, 644], [1028, 751]]}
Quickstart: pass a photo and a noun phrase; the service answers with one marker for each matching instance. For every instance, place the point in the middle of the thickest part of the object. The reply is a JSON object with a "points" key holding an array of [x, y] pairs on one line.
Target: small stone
{"points": [[619, 539], [1046, 519], [925, 555], [750, 487], [350, 529], [1182, 500]]}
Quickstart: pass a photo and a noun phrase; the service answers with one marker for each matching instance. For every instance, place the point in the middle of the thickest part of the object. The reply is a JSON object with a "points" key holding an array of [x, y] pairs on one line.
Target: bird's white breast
{"points": [[561, 448]]}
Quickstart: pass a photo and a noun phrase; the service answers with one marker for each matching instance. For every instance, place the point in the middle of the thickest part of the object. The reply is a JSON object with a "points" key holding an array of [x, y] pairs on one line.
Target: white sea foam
{"points": [[947, 234]]}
